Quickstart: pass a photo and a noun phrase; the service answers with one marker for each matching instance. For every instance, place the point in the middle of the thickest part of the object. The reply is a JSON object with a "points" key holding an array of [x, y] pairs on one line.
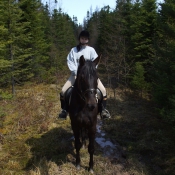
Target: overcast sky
{"points": [[79, 8]]}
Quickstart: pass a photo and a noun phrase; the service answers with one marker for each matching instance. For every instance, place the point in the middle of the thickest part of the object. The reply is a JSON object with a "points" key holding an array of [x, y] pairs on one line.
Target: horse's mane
{"points": [[88, 69]]}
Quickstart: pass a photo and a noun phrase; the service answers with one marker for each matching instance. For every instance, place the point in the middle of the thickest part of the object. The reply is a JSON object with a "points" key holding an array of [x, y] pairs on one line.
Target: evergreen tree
{"points": [[104, 43], [164, 66], [13, 41], [4, 62], [122, 37], [33, 13], [138, 79], [93, 27], [144, 32], [63, 38], [113, 42]]}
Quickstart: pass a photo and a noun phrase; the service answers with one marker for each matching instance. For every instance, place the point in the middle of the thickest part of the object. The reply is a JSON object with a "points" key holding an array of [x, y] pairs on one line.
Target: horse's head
{"points": [[95, 62], [87, 80]]}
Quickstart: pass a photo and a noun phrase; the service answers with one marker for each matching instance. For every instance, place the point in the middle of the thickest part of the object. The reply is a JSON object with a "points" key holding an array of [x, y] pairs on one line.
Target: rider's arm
{"points": [[71, 62], [93, 54]]}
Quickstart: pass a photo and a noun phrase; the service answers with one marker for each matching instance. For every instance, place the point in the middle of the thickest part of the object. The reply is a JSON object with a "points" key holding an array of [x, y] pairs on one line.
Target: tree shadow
{"points": [[53, 145], [140, 131]]}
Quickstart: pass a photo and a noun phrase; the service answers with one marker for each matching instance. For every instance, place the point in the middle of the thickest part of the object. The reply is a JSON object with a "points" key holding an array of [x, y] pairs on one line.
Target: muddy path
{"points": [[110, 149]]}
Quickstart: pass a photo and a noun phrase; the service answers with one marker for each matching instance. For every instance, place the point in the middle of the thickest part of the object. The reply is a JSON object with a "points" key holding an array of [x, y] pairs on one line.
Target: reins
{"points": [[82, 94]]}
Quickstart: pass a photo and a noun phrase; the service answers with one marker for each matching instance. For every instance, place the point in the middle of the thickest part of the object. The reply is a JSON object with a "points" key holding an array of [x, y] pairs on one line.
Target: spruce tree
{"points": [[63, 38], [138, 79], [93, 27], [114, 40], [144, 33], [4, 62], [14, 41], [164, 66], [104, 43], [122, 23], [33, 13]]}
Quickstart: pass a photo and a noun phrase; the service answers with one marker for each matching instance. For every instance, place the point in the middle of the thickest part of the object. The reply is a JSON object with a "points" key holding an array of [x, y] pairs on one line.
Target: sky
{"points": [[79, 8]]}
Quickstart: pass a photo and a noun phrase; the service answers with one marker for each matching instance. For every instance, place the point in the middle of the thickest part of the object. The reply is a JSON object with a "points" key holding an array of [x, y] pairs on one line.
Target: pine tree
{"points": [[33, 13], [104, 43], [164, 66], [138, 79], [144, 33], [63, 38], [13, 42], [113, 40], [122, 38], [4, 62]]}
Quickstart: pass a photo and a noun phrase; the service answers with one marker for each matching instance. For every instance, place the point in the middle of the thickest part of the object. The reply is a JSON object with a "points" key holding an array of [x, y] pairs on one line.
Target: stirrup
{"points": [[63, 114], [105, 114]]}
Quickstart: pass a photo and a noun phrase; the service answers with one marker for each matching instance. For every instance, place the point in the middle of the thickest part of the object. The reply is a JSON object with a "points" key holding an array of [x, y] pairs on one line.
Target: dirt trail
{"points": [[111, 150]]}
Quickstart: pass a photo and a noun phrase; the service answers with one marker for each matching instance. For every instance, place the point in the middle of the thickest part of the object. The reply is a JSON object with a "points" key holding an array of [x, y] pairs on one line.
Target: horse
{"points": [[83, 107]]}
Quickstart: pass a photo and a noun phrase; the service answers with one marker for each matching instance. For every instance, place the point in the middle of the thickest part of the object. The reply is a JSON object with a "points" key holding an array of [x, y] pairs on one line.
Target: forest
{"points": [[136, 40]]}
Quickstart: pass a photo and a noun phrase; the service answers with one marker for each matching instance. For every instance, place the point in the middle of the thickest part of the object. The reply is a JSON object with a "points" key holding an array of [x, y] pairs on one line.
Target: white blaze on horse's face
{"points": [[83, 40]]}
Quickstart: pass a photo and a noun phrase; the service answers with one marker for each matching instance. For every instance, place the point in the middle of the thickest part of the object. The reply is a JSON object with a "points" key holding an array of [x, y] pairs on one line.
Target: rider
{"points": [[72, 61]]}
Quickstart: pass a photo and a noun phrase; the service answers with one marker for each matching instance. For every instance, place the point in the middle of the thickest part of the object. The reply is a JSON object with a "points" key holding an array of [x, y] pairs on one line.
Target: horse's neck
{"points": [[76, 90], [78, 95]]}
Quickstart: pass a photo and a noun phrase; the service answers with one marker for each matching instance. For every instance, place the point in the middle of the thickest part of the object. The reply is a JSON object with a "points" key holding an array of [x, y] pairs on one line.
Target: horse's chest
{"points": [[85, 120]]}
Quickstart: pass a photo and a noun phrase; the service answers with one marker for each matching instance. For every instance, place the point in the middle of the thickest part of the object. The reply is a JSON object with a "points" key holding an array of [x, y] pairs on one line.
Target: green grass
{"points": [[34, 142]]}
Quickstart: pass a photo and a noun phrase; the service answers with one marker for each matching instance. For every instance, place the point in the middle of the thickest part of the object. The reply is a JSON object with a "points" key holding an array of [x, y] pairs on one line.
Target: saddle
{"points": [[67, 96]]}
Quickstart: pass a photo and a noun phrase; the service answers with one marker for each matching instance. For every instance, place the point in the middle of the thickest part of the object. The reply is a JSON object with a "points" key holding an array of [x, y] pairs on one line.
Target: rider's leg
{"points": [[104, 113], [64, 107]]}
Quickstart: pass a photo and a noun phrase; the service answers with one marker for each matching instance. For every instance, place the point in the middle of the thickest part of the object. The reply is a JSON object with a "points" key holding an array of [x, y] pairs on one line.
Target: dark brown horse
{"points": [[83, 107]]}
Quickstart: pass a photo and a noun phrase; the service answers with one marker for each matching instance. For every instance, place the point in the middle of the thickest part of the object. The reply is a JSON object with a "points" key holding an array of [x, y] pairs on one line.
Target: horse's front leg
{"points": [[91, 135], [77, 147]]}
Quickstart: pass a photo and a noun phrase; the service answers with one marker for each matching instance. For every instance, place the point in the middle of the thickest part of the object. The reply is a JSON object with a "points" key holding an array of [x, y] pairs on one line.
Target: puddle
{"points": [[109, 149]]}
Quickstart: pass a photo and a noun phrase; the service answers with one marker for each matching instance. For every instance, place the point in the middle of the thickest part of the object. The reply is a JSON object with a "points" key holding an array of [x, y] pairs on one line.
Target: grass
{"points": [[34, 142]]}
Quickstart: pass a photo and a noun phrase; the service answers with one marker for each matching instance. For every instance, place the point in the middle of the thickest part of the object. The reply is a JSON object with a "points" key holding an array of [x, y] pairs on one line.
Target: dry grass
{"points": [[34, 142]]}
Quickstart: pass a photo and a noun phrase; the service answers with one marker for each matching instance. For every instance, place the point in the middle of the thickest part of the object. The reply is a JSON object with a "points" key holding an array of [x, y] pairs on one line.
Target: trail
{"points": [[110, 149]]}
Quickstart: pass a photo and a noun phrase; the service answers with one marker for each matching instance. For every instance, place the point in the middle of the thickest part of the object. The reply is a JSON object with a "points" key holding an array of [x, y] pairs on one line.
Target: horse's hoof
{"points": [[78, 167], [91, 171]]}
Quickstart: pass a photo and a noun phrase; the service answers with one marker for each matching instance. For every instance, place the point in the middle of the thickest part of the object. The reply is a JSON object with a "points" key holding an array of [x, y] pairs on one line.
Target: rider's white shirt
{"points": [[73, 57]]}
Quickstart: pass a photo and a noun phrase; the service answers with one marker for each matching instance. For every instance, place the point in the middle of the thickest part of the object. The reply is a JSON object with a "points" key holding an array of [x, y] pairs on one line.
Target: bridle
{"points": [[83, 93], [89, 90]]}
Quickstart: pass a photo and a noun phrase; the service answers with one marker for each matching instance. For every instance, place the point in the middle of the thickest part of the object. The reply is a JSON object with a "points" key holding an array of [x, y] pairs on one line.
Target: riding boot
{"points": [[64, 111], [104, 112]]}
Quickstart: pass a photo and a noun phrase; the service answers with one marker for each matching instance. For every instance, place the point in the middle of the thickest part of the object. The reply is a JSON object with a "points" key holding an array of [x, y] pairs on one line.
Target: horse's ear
{"points": [[97, 60], [82, 60]]}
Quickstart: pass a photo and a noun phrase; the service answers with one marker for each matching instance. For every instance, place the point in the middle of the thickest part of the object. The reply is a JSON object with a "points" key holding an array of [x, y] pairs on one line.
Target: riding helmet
{"points": [[84, 33]]}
